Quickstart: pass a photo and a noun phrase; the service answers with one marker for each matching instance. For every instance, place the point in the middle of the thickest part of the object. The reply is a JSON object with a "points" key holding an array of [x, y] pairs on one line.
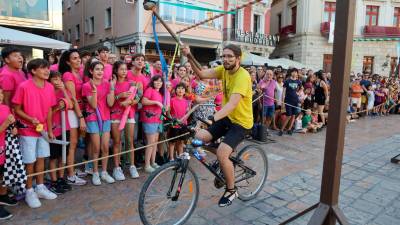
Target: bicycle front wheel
{"points": [[157, 199], [251, 174]]}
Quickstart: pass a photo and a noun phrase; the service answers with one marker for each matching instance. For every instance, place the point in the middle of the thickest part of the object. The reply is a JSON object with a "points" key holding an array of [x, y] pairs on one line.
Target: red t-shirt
{"points": [[36, 102], [103, 89], [151, 113]]}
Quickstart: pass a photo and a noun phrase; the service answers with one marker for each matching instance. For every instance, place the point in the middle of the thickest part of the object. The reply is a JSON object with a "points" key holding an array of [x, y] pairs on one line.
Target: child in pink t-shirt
{"points": [[122, 94], [11, 75], [100, 97], [150, 116], [58, 183], [179, 107], [33, 102], [6, 119]]}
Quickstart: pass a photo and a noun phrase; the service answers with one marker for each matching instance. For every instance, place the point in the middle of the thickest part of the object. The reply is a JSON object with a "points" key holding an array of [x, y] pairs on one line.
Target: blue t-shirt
{"points": [[291, 91], [365, 83]]}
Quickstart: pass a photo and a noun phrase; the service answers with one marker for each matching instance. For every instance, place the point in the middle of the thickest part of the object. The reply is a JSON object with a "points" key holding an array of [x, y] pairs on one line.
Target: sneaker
{"points": [[43, 192], [96, 179], [32, 199], [118, 174], [64, 184], [280, 133], [106, 177], [80, 173], [290, 132], [57, 188], [89, 168], [6, 200], [4, 214], [228, 197], [155, 166], [75, 180], [133, 171], [149, 169]]}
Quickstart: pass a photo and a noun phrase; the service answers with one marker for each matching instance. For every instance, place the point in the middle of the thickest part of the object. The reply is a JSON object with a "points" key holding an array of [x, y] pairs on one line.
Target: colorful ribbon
{"points": [[187, 6], [124, 118]]}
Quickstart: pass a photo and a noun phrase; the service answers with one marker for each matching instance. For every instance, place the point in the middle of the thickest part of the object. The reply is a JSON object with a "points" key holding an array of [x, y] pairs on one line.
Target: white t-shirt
{"points": [[278, 93]]}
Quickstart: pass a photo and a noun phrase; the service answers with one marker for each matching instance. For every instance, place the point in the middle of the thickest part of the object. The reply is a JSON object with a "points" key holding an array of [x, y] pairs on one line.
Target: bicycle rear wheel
{"points": [[156, 206], [249, 184]]}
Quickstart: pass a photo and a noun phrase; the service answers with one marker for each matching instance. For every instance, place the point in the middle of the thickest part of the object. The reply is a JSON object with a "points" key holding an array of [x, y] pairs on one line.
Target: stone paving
{"points": [[370, 186]]}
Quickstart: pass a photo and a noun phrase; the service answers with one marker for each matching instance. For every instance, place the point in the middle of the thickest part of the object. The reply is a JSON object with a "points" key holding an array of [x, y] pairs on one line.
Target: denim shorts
{"points": [[93, 127], [33, 148], [268, 111], [151, 128]]}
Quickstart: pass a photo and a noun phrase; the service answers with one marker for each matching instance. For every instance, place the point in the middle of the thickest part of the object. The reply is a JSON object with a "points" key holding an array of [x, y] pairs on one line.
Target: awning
{"points": [[249, 59], [286, 63], [15, 37]]}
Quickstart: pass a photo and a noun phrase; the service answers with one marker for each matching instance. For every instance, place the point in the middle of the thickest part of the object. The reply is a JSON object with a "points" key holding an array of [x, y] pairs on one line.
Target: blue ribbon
{"points": [[162, 59]]}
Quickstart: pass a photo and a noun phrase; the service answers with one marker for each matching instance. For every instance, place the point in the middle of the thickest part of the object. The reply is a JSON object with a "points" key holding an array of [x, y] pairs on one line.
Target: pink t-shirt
{"points": [[151, 113], [179, 107], [103, 90], [139, 78], [4, 113], [155, 72], [175, 82], [57, 126], [78, 82], [268, 88], [11, 79], [36, 102], [107, 72], [118, 110], [54, 67]]}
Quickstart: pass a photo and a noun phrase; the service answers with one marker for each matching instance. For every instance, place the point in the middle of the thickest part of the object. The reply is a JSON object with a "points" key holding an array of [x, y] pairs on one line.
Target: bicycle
{"points": [[175, 184]]}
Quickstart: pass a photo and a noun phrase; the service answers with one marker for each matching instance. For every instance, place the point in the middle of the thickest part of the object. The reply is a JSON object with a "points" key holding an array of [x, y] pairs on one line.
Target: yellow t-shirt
{"points": [[238, 83]]}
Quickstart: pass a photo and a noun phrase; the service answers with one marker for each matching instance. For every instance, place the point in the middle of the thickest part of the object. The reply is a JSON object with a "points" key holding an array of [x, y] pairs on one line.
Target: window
{"points": [[327, 63], [294, 18], [396, 17], [185, 15], [372, 15], [91, 25], [291, 56], [180, 13], [279, 22], [77, 32], [368, 64], [68, 4], [329, 11], [69, 35], [256, 23], [86, 26], [166, 11], [107, 18]]}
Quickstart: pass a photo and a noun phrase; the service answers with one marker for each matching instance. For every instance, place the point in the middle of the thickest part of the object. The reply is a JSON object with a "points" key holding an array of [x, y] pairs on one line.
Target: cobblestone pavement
{"points": [[370, 186]]}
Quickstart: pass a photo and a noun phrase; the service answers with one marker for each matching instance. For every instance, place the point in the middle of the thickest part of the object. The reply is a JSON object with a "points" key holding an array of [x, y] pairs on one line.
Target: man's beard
{"points": [[229, 67]]}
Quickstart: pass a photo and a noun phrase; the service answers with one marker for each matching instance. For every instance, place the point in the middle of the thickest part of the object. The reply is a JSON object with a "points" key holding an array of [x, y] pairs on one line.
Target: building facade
{"points": [[306, 33], [249, 27], [126, 27]]}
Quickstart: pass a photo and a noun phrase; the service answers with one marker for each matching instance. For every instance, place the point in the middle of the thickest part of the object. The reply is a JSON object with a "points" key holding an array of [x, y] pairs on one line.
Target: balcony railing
{"points": [[286, 31], [380, 31], [237, 35], [325, 28]]}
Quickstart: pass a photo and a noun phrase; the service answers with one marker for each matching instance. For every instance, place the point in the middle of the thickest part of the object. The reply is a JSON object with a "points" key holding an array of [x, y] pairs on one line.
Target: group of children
{"points": [[91, 98]]}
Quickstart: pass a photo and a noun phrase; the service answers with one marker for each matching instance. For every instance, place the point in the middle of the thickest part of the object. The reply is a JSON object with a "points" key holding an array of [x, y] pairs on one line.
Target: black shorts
{"points": [[233, 133], [173, 132], [320, 100], [290, 110], [56, 150]]}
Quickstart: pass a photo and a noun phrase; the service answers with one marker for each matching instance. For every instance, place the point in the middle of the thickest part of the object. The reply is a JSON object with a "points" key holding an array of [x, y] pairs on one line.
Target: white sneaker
{"points": [[118, 174], [43, 192], [32, 199], [149, 169], [133, 171], [96, 179], [80, 173], [75, 180], [155, 166], [106, 177]]}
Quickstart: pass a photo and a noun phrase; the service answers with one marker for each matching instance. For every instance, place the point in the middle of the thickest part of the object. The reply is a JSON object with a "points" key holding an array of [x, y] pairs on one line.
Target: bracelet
{"points": [[80, 117]]}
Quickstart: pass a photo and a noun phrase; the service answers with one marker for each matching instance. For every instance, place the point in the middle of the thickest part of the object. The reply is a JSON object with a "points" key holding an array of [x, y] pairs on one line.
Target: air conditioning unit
{"points": [[130, 1]]}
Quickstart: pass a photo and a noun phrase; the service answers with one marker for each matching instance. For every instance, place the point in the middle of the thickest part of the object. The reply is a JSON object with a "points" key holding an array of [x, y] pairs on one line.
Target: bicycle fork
{"points": [[183, 165]]}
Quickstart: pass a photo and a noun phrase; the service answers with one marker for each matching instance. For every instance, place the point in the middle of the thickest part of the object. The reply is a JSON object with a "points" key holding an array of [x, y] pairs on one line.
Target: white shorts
{"points": [[130, 121], [356, 101], [33, 148], [73, 119]]}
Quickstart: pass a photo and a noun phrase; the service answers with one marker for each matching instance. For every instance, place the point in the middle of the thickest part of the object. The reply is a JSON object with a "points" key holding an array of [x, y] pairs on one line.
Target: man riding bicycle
{"points": [[236, 116]]}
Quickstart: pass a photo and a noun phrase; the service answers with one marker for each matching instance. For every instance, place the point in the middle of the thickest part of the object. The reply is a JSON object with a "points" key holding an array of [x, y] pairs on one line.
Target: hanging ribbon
{"points": [[162, 59], [173, 58], [187, 6]]}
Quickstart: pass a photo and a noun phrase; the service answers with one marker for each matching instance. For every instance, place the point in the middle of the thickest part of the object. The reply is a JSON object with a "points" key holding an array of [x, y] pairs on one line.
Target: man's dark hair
{"points": [[37, 63], [138, 55], [103, 48], [235, 49], [54, 74], [85, 53], [181, 85], [6, 51]]}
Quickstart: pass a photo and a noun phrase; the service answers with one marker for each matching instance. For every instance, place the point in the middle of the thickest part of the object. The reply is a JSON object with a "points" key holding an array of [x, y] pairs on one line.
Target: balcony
{"points": [[325, 28], [380, 31], [286, 31], [237, 35]]}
